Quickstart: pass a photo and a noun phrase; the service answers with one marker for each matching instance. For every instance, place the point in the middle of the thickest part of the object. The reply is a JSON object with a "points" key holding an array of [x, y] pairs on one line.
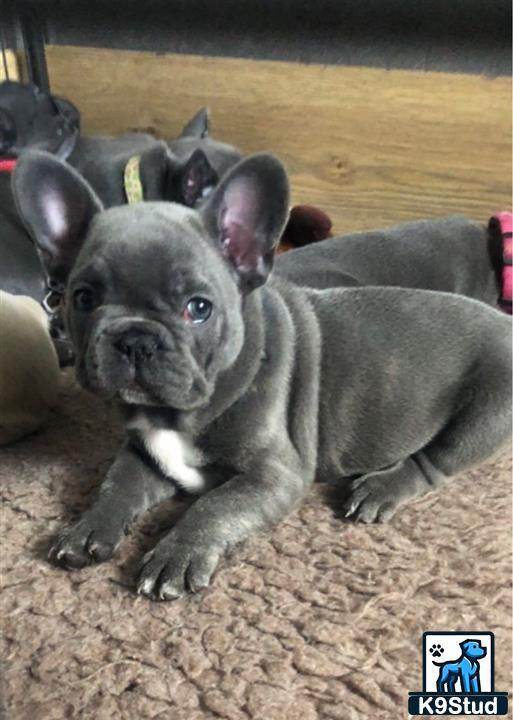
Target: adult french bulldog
{"points": [[242, 387], [183, 170]]}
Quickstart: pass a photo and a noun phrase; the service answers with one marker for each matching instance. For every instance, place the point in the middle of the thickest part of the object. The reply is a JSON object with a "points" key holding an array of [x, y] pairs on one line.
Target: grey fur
{"points": [[387, 391], [102, 160], [451, 254]]}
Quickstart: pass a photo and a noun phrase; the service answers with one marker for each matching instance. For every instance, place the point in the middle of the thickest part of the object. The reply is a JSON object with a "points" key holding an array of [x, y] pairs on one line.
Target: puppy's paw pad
{"points": [[436, 650]]}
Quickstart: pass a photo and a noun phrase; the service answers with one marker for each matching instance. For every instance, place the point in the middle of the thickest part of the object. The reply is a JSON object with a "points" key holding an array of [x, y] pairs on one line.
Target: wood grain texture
{"points": [[371, 147]]}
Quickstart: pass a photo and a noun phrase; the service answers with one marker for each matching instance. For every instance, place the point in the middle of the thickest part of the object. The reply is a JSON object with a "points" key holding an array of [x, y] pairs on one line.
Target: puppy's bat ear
{"points": [[198, 126], [246, 214], [165, 177], [195, 179], [57, 206]]}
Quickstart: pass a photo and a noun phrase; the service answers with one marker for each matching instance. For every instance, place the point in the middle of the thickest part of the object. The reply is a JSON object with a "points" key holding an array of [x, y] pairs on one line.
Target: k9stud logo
{"points": [[458, 676]]}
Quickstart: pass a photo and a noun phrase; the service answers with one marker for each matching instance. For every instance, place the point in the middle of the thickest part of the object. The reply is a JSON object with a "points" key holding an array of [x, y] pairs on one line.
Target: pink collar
{"points": [[7, 164], [503, 221]]}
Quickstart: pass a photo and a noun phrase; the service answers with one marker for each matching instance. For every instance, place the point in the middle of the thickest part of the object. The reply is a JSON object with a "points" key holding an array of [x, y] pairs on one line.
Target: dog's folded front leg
{"points": [[130, 488], [187, 556]]}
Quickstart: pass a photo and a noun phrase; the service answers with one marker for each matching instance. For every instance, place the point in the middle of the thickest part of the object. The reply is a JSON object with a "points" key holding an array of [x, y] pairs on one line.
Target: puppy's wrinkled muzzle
{"points": [[141, 361]]}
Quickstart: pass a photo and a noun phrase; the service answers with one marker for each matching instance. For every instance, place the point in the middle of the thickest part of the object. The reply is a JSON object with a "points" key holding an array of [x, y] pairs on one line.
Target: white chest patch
{"points": [[171, 452]]}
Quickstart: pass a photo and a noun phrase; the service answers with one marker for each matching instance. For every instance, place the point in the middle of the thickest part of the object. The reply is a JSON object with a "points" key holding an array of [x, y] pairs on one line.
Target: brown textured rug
{"points": [[320, 619]]}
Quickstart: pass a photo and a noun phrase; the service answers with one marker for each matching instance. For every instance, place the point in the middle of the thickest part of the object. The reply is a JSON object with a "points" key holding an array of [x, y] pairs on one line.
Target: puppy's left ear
{"points": [[198, 126], [57, 206], [246, 215]]}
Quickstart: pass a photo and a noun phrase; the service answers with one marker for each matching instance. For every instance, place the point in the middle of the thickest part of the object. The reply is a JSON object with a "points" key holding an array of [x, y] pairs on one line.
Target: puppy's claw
{"points": [[67, 559], [145, 587], [353, 505], [166, 591], [351, 509]]}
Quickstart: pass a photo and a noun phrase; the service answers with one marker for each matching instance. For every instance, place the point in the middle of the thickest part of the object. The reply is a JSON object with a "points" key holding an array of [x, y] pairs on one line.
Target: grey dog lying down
{"points": [[242, 386]]}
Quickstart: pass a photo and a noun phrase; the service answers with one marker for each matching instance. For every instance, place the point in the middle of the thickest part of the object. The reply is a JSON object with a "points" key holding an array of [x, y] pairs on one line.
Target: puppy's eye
{"points": [[84, 300], [198, 310]]}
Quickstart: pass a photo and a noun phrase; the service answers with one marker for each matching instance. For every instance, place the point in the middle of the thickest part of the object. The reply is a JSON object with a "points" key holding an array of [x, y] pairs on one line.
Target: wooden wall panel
{"points": [[11, 63], [372, 147]]}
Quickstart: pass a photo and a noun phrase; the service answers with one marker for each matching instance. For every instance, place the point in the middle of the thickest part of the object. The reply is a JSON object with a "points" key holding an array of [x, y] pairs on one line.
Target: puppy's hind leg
{"points": [[474, 434]]}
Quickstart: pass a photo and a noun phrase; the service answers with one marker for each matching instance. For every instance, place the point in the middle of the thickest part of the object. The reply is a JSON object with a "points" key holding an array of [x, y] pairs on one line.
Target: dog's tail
{"points": [[439, 664]]}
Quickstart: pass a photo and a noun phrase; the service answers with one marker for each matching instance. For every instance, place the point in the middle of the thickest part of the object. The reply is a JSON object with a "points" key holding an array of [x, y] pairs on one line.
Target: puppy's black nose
{"points": [[137, 346]]}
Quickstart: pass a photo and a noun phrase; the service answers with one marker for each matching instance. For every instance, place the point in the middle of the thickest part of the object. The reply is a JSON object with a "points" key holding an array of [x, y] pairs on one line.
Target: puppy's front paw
{"points": [[83, 544], [175, 566], [372, 499]]}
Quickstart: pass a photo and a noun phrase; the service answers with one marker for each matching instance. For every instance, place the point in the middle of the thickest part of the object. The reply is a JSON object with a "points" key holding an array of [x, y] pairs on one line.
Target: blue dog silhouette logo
{"points": [[465, 669], [458, 676]]}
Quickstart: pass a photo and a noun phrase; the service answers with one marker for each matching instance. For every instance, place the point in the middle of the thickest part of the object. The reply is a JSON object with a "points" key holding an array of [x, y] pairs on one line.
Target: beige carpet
{"points": [[321, 619]]}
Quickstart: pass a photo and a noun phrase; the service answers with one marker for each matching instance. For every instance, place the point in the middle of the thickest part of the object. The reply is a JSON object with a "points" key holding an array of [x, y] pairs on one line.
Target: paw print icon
{"points": [[436, 650]]}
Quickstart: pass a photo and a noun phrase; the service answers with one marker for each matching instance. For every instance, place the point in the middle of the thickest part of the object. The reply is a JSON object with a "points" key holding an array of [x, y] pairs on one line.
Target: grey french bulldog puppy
{"points": [[452, 254], [183, 170], [241, 387]]}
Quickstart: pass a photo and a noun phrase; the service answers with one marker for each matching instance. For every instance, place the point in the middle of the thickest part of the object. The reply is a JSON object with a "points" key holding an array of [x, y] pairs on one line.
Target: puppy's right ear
{"points": [[246, 214], [57, 206]]}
